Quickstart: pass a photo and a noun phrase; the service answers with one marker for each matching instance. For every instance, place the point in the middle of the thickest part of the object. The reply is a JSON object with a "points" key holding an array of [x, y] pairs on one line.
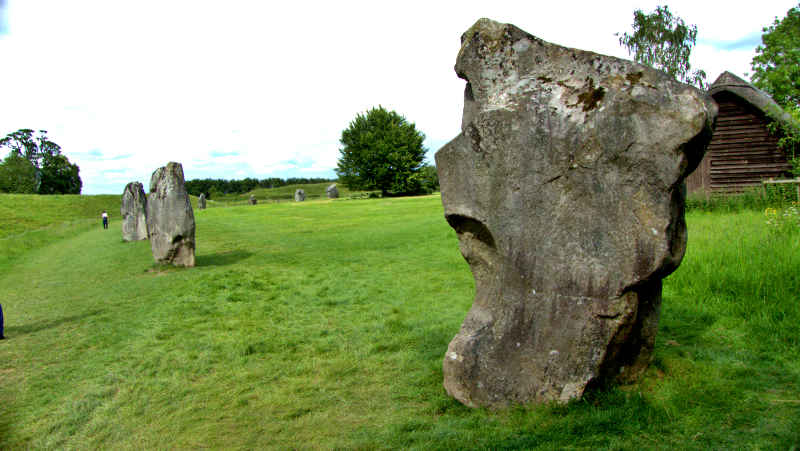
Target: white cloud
{"points": [[273, 83]]}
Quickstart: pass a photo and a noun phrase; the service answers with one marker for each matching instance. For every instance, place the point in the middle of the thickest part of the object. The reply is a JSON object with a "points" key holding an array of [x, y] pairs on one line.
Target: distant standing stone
{"points": [[170, 219], [299, 195], [201, 202], [564, 187], [134, 212], [253, 200], [333, 192]]}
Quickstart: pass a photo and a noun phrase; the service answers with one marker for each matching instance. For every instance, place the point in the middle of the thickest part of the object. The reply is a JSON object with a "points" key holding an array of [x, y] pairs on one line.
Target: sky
{"points": [[239, 89]]}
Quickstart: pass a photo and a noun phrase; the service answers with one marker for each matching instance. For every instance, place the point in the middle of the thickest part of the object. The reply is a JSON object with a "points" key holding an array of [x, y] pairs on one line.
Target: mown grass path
{"points": [[323, 325]]}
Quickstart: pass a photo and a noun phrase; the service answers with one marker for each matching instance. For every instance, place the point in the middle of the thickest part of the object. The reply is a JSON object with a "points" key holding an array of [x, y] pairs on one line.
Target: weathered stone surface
{"points": [[332, 191], [253, 200], [201, 201], [133, 212], [564, 187], [299, 195], [170, 219]]}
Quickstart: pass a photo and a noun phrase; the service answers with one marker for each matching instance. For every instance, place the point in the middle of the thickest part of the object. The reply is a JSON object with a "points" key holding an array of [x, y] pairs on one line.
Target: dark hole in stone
{"points": [[465, 224]]}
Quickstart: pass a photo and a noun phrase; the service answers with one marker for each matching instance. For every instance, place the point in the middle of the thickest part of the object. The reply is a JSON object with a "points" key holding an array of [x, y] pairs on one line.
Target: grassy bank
{"points": [[323, 325], [20, 213], [29, 221]]}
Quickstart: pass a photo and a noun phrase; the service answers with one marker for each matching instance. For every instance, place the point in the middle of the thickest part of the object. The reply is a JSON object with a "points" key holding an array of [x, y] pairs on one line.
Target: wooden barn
{"points": [[742, 152]]}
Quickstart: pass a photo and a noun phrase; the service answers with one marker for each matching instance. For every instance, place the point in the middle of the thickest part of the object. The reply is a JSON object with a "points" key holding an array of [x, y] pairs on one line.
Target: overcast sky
{"points": [[240, 89]]}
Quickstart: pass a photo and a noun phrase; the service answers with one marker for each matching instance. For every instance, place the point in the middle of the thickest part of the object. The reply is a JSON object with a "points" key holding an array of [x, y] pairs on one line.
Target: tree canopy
{"points": [[776, 66], [36, 165], [381, 150], [663, 41], [59, 176], [17, 175]]}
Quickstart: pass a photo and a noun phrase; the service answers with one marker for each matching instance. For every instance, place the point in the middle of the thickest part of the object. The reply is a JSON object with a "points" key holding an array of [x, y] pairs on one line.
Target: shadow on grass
{"points": [[683, 324], [11, 331], [222, 258], [606, 414]]}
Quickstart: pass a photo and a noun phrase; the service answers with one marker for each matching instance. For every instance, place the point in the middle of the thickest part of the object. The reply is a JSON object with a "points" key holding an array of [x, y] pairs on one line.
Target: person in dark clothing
{"points": [[1, 322], [105, 219]]}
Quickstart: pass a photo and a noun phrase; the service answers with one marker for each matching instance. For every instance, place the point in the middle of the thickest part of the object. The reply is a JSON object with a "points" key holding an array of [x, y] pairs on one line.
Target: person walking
{"points": [[1, 322], [105, 219]]}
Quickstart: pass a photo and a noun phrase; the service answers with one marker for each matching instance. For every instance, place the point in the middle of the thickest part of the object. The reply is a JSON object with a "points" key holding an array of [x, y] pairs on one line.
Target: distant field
{"points": [[314, 191], [323, 325], [44, 219]]}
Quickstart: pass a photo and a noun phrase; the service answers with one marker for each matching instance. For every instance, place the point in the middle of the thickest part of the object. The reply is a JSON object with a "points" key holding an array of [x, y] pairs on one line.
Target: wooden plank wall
{"points": [[741, 152]]}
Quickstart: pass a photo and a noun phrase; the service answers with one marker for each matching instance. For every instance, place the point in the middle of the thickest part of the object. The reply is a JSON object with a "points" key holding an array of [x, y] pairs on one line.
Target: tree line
{"points": [[217, 187]]}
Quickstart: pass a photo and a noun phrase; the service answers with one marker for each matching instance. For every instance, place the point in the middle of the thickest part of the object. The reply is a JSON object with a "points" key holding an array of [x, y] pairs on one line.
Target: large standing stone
{"points": [[332, 191], [564, 187], [133, 212], [299, 195], [201, 202], [170, 219], [253, 200]]}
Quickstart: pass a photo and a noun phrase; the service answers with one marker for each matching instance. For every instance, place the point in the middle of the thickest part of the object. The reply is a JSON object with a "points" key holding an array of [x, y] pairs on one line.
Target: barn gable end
{"points": [[742, 152]]}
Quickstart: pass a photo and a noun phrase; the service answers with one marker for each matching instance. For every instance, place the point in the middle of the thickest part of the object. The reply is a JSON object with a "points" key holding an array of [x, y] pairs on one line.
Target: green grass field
{"points": [[323, 325]]}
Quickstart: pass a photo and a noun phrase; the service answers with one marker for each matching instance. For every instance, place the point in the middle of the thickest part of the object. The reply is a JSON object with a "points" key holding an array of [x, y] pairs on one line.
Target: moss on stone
{"points": [[634, 78], [591, 97]]}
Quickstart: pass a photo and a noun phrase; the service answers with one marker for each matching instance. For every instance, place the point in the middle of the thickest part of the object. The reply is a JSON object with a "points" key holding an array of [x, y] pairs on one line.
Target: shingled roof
{"points": [[759, 99]]}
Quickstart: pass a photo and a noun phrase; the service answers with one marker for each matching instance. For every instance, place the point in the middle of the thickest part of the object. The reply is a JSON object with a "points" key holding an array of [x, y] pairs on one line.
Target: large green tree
{"points": [[776, 66], [663, 41], [17, 175], [59, 176], [381, 150], [52, 172]]}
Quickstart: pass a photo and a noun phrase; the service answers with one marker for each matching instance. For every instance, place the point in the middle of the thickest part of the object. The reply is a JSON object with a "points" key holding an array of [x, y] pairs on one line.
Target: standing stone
{"points": [[299, 195], [564, 187], [332, 191], [134, 212], [170, 219], [201, 202], [253, 200]]}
